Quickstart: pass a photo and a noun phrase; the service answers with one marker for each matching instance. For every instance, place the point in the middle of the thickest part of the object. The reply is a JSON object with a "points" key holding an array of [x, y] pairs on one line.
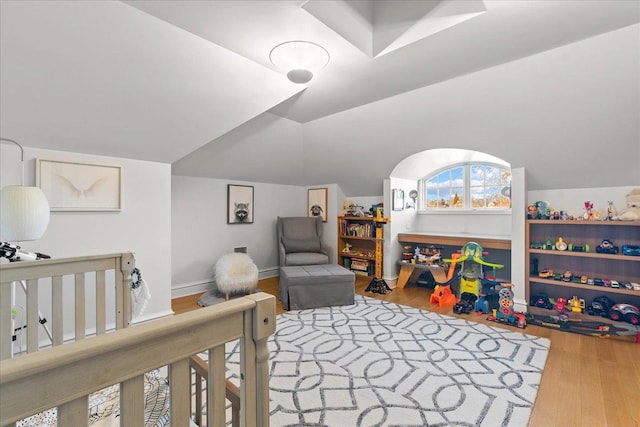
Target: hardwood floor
{"points": [[587, 381]]}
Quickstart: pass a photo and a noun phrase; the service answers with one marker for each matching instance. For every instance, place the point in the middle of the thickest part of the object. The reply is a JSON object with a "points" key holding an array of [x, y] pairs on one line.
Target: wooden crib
{"points": [[63, 375]]}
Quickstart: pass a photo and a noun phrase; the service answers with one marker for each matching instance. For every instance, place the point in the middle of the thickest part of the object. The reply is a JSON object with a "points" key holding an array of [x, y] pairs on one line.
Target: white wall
{"points": [[201, 233], [571, 200], [143, 226]]}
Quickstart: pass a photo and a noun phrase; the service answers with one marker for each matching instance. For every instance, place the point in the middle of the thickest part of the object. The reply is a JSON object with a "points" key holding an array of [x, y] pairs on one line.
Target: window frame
{"points": [[467, 208]]}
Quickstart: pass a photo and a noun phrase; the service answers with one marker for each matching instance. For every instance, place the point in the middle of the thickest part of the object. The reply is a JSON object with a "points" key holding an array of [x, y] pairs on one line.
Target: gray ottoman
{"points": [[312, 286]]}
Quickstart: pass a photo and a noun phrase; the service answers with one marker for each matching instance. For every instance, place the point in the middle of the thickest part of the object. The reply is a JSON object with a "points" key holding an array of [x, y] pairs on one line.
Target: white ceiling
{"points": [[156, 80]]}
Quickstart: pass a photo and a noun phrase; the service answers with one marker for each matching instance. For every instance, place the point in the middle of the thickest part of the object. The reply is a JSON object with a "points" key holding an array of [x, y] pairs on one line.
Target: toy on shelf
{"points": [[632, 211], [588, 211], [576, 305], [627, 312], [606, 247], [561, 304], [612, 212], [600, 306]]}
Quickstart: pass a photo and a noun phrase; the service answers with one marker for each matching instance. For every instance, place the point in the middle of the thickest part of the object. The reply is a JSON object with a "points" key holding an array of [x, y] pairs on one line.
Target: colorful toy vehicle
{"points": [[536, 244], [545, 273], [627, 312], [578, 248], [576, 305], [583, 279], [606, 247], [600, 306], [466, 303], [561, 304], [567, 276], [633, 250], [541, 301]]}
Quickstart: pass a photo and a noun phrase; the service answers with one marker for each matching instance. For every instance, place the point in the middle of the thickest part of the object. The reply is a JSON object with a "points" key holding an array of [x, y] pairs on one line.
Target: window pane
{"points": [[489, 187]]}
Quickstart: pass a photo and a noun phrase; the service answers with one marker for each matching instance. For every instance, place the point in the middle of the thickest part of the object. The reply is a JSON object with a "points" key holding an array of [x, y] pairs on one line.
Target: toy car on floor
{"points": [[466, 303], [606, 247], [627, 312]]}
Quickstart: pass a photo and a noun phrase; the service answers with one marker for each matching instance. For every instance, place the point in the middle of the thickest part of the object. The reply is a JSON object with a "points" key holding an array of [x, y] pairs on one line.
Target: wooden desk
{"points": [[486, 241]]}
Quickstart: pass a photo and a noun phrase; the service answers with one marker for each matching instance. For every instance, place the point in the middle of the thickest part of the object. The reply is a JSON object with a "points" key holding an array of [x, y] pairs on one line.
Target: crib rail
{"points": [[64, 376], [31, 274]]}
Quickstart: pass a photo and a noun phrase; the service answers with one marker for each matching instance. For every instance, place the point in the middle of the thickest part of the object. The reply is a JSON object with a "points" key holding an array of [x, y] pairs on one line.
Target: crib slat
{"points": [[216, 388], [32, 316], [6, 329], [132, 402], [101, 323], [180, 383], [58, 310], [74, 413], [248, 391], [80, 308]]}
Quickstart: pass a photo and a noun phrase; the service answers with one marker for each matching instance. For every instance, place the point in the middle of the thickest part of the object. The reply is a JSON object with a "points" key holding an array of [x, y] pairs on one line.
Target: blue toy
{"points": [[482, 305]]}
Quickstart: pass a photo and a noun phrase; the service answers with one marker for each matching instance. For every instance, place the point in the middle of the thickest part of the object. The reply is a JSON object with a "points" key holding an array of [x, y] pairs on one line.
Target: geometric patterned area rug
{"points": [[377, 363]]}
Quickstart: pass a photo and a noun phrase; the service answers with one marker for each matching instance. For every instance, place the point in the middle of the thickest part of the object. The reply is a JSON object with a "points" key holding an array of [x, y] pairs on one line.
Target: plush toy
{"points": [[345, 207], [632, 212]]}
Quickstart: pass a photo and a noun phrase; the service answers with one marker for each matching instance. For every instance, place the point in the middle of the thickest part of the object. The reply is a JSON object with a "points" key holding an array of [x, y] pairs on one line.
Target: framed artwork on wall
{"points": [[239, 204], [317, 203], [397, 199], [73, 186]]}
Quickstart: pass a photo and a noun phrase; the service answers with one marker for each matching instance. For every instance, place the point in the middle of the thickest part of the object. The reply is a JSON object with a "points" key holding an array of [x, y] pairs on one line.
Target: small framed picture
{"points": [[73, 186], [239, 204], [397, 199], [317, 203]]}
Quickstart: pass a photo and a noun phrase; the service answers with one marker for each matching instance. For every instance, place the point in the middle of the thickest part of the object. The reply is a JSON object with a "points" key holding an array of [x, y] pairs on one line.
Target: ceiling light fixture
{"points": [[300, 59]]}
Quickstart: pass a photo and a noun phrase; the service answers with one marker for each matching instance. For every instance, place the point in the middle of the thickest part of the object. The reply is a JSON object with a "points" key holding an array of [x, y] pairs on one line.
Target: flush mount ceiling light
{"points": [[300, 59]]}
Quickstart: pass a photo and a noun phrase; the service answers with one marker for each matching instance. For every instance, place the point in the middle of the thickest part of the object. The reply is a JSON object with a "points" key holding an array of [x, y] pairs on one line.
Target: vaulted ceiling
{"points": [[164, 80]]}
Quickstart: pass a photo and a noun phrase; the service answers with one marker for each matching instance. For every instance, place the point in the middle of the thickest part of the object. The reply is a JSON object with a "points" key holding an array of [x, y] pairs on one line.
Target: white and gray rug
{"points": [[381, 364]]}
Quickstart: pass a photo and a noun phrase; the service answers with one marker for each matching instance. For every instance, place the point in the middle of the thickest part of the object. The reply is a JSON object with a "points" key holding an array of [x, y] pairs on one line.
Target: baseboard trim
{"points": [[191, 288]]}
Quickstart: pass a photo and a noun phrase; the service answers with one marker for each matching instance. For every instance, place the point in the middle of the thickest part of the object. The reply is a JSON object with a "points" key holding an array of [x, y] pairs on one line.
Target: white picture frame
{"points": [[317, 201], [72, 186]]}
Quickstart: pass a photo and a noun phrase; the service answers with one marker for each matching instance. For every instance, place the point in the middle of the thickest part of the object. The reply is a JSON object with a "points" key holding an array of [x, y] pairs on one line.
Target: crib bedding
{"points": [[104, 406]]}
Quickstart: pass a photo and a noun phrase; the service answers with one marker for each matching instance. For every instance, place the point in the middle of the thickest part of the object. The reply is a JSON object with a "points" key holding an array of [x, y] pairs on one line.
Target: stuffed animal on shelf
{"points": [[632, 212]]}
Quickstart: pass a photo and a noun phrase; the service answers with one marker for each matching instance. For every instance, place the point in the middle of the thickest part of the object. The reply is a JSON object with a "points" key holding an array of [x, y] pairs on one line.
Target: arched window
{"points": [[466, 186]]}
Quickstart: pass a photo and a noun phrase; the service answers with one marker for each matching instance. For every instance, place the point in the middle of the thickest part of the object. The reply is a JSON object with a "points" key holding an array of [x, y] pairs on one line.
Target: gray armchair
{"points": [[300, 241]]}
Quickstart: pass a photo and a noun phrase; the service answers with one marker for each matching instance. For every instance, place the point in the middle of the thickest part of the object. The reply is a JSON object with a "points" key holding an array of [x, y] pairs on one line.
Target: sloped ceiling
{"points": [[190, 82]]}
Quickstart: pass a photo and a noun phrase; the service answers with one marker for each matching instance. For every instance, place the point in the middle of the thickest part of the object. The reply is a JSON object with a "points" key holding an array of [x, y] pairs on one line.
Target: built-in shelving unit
{"points": [[593, 265]]}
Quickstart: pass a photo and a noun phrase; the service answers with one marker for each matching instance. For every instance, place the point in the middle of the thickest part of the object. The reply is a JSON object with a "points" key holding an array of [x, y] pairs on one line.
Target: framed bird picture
{"points": [[80, 186], [317, 203]]}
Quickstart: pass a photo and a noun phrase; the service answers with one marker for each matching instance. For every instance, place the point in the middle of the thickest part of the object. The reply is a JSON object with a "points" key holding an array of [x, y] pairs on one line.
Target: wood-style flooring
{"points": [[587, 381]]}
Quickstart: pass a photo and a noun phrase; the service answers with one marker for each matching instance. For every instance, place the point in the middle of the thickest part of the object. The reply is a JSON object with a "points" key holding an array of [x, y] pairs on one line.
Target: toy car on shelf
{"points": [[576, 305], [546, 273], [633, 250], [537, 244], [606, 247], [578, 248], [567, 276], [541, 301], [600, 306], [627, 312]]}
